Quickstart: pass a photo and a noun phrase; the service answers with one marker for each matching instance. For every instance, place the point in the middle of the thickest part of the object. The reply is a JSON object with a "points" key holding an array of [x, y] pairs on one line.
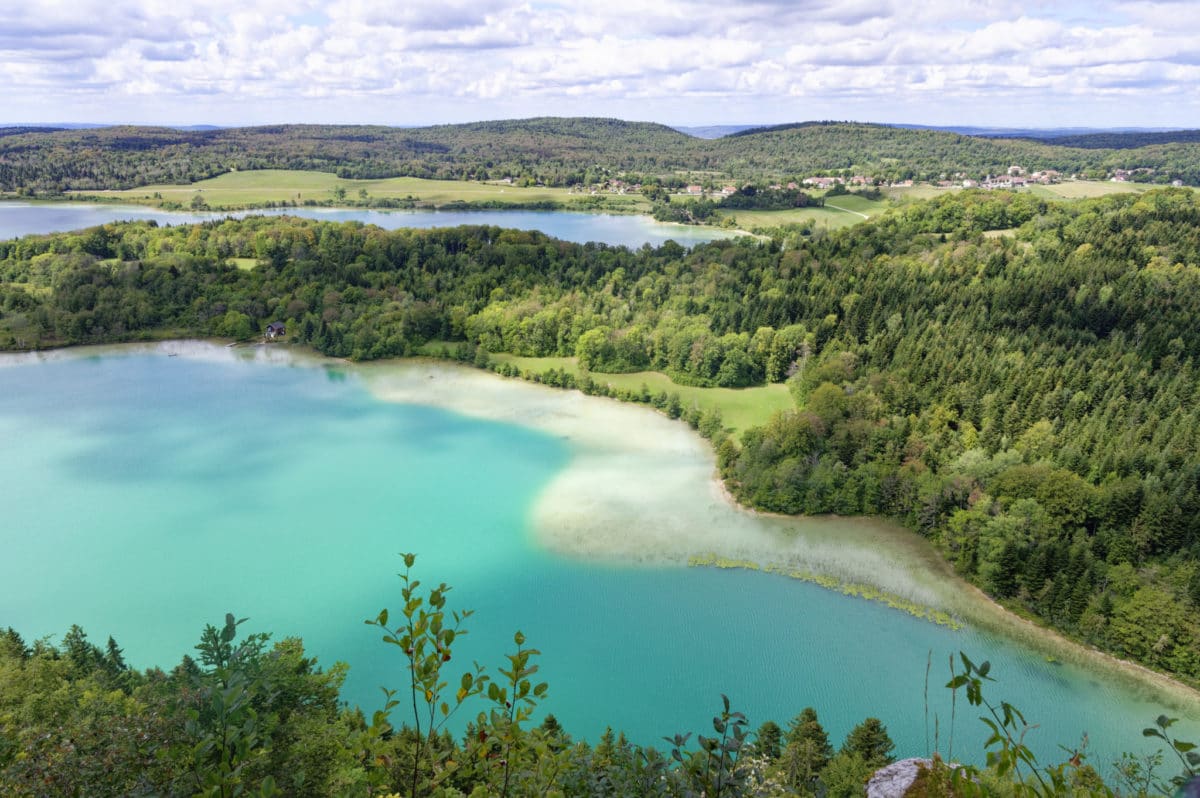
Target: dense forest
{"points": [[1029, 402], [560, 152]]}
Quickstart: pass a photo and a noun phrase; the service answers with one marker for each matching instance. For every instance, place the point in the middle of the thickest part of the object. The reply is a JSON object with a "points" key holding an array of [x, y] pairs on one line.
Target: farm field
{"points": [[1083, 189], [839, 212], [827, 218], [257, 188], [921, 191]]}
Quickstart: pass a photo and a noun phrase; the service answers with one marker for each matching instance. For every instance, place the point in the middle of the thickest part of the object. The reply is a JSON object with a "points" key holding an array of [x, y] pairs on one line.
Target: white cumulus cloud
{"points": [[940, 61]]}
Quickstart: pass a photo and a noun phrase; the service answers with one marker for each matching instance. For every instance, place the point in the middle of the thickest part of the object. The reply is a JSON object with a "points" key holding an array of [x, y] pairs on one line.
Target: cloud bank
{"points": [[676, 61]]}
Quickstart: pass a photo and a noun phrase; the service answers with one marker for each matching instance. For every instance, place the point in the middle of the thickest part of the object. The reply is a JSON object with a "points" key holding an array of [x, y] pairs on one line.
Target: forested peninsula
{"points": [[1026, 401], [567, 152]]}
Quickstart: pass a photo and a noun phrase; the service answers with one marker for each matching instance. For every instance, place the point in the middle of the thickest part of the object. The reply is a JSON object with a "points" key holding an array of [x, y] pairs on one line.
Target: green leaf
{"points": [[1183, 747], [383, 617]]}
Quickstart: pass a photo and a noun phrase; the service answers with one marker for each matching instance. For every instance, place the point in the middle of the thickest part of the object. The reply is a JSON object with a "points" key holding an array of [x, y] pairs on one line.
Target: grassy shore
{"points": [[741, 408]]}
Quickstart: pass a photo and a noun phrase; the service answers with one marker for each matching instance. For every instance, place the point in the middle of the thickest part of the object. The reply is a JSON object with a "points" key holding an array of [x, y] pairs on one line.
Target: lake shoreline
{"points": [[981, 610], [102, 200], [587, 422], [968, 601], [579, 225]]}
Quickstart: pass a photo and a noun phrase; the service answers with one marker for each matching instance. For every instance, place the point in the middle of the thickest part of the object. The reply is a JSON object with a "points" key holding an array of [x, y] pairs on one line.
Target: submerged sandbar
{"points": [[642, 488]]}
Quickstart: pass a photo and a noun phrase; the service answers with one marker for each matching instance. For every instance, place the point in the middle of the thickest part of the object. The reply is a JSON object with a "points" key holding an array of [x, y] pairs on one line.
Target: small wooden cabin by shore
{"points": [[275, 330]]}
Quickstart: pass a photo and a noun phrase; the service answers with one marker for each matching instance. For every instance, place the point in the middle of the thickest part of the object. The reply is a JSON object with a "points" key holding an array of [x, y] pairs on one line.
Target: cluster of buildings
{"points": [[830, 182], [698, 191], [1014, 177]]}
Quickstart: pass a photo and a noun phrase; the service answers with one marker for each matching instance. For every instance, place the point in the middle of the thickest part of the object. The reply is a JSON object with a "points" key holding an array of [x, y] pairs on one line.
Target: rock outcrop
{"points": [[894, 780]]}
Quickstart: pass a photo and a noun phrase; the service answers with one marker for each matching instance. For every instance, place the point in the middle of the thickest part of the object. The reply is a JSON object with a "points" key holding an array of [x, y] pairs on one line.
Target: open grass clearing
{"points": [[827, 218], [855, 204], [1083, 189], [261, 187], [920, 191], [741, 408]]}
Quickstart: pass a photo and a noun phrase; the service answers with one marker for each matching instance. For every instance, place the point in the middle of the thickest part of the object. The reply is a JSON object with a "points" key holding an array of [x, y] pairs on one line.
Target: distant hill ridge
{"points": [[568, 151]]}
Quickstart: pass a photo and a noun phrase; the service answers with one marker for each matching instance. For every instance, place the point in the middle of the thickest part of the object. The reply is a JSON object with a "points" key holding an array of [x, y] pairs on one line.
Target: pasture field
{"points": [[263, 187], [1084, 189], [816, 218], [856, 204], [842, 211], [921, 191]]}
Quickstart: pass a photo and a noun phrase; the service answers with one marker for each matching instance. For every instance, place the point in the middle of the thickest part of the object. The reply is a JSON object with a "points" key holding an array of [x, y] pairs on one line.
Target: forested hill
{"points": [[554, 151], [1125, 141], [1029, 402]]}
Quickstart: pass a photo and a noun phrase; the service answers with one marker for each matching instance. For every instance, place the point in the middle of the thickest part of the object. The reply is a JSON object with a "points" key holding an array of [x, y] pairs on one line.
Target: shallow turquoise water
{"points": [[145, 496], [18, 219]]}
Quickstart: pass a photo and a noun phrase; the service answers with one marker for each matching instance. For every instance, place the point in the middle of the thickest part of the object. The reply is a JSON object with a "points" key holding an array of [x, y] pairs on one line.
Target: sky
{"points": [[1009, 63]]}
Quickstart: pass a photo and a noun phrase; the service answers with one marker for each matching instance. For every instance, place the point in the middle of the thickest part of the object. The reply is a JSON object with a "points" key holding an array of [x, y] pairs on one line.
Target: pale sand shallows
{"points": [[641, 488]]}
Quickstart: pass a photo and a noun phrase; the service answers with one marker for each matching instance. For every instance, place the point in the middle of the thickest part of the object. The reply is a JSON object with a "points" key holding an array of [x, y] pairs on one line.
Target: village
{"points": [[1015, 177]]}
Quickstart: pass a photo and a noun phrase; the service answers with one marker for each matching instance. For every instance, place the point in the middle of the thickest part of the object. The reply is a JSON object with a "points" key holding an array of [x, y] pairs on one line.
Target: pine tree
{"points": [[768, 741], [806, 753], [870, 740]]}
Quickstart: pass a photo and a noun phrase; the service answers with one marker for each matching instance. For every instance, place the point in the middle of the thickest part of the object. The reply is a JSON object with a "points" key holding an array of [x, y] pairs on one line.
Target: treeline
{"points": [[1125, 141], [554, 151], [751, 197], [1028, 401], [245, 716]]}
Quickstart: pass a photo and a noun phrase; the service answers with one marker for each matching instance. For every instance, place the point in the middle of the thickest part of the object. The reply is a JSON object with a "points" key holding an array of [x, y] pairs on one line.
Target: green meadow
{"points": [[277, 186], [1084, 189], [838, 212], [741, 408]]}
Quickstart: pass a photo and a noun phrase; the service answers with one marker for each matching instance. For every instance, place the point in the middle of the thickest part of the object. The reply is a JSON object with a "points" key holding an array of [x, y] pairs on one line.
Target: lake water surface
{"points": [[18, 219], [145, 496]]}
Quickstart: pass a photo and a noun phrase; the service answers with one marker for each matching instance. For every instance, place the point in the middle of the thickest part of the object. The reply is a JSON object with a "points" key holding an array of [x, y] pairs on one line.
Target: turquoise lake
{"points": [[145, 496], [18, 219]]}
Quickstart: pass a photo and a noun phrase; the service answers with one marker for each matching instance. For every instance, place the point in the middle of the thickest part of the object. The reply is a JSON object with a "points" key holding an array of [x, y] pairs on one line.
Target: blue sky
{"points": [[683, 62]]}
